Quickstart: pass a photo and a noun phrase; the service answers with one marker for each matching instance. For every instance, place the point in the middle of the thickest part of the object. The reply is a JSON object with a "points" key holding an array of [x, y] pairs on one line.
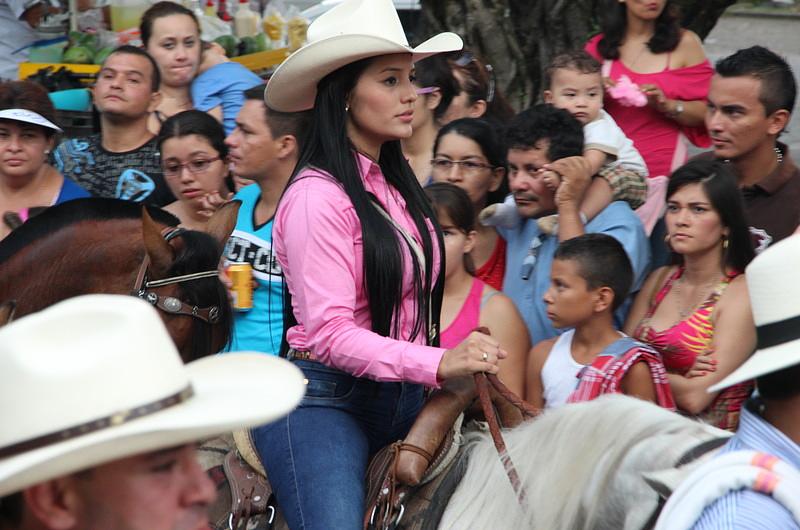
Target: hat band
{"points": [[779, 332], [116, 419]]}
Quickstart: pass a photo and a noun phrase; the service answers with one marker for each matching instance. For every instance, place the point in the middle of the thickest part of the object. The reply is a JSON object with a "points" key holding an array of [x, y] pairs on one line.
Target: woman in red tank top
{"points": [[469, 302], [696, 313], [468, 153]]}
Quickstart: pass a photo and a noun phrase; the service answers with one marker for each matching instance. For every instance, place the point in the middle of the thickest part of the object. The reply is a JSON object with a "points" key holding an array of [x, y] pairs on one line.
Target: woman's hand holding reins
{"points": [[477, 353]]}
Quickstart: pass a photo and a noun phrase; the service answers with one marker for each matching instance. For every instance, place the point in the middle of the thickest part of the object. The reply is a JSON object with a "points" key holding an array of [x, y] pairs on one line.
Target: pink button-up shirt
{"points": [[318, 244]]}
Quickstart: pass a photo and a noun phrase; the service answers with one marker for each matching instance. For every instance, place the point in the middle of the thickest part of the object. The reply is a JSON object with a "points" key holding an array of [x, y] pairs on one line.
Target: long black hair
{"points": [[327, 147], [720, 186], [614, 24]]}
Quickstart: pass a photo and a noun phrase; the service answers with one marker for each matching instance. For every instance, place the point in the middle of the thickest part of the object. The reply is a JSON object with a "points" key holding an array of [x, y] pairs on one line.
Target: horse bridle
{"points": [[170, 304]]}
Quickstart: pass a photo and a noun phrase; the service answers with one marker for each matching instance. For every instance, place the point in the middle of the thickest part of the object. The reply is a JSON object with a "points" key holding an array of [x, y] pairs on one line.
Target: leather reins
{"points": [[170, 304]]}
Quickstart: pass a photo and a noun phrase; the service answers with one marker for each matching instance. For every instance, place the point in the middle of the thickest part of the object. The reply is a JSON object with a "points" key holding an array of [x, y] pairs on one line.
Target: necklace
{"points": [[685, 310]]}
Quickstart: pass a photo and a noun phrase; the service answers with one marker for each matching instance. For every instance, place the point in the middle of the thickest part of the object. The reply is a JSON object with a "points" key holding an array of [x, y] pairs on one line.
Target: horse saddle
{"points": [[409, 482]]}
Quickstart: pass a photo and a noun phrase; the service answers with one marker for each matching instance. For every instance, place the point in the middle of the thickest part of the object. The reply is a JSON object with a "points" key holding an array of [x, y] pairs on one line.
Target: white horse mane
{"points": [[581, 466]]}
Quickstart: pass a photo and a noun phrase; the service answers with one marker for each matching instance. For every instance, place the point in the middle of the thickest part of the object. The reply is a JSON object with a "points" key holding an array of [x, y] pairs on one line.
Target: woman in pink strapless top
{"points": [[647, 44], [468, 302], [697, 313]]}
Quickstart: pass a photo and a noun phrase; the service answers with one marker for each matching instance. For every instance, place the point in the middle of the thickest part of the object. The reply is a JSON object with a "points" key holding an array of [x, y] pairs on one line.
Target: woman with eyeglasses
{"points": [[468, 153], [469, 302], [193, 151]]}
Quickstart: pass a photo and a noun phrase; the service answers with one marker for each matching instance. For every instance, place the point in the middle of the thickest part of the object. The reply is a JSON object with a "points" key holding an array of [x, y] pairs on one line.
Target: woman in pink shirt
{"points": [[356, 240]]}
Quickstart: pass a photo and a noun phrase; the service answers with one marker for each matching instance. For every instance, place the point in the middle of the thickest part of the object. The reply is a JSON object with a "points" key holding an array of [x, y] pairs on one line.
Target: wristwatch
{"points": [[678, 109]]}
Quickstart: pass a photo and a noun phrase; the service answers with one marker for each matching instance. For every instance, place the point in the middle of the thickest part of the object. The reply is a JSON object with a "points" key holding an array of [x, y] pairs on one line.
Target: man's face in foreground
{"points": [[162, 490]]}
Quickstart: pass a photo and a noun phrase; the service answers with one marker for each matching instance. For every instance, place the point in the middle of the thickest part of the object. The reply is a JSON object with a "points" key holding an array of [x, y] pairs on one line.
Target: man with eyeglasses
{"points": [[263, 148], [123, 160], [541, 139]]}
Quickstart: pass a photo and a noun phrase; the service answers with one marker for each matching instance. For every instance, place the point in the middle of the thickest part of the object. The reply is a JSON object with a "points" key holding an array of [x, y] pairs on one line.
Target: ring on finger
{"points": [[485, 357]]}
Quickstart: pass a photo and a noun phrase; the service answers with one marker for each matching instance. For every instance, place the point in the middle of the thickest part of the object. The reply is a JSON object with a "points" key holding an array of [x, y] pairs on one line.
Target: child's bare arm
{"points": [[596, 158], [536, 359], [638, 382], [598, 196]]}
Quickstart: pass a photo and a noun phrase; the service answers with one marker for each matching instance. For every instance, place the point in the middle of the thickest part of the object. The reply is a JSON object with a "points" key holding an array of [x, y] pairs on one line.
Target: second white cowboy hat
{"points": [[773, 281], [351, 31], [28, 116], [97, 378]]}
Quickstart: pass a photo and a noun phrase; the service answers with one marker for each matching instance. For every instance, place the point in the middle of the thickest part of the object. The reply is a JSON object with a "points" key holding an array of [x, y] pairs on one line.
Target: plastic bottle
{"points": [[210, 10], [194, 5], [246, 22]]}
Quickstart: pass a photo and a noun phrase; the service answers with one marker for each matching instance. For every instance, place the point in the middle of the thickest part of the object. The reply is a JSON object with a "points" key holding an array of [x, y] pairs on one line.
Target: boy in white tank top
{"points": [[590, 277]]}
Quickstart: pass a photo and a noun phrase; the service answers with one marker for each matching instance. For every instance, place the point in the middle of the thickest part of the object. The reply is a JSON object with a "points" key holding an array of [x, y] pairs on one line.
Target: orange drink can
{"points": [[241, 275]]}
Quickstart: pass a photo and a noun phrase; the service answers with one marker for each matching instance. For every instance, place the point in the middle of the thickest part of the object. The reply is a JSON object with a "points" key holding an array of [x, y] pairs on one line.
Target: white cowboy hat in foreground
{"points": [[773, 281], [351, 31], [97, 378]]}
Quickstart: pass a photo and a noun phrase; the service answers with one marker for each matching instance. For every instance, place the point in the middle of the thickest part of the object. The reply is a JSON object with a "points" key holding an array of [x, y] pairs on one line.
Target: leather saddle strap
{"points": [[527, 410], [250, 492], [482, 384]]}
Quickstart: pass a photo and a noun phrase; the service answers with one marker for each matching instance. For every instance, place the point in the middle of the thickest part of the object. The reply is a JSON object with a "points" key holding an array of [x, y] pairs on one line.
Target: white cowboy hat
{"points": [[97, 378], [351, 31], [773, 280], [28, 116]]}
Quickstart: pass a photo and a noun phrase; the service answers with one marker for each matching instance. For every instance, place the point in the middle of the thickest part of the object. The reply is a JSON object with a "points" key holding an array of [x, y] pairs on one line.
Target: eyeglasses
{"points": [[427, 90], [173, 169], [530, 259], [467, 166]]}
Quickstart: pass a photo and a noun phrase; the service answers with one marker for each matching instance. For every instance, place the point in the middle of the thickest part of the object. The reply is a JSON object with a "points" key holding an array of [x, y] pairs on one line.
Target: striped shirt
{"points": [[747, 509]]}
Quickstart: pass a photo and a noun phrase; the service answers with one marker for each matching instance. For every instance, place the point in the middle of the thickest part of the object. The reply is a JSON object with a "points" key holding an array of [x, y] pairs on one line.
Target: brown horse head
{"points": [[98, 246], [203, 322]]}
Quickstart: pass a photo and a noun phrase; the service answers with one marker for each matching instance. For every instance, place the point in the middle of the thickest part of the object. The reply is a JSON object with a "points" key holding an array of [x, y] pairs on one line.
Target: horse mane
{"points": [[200, 251], [76, 211], [581, 466]]}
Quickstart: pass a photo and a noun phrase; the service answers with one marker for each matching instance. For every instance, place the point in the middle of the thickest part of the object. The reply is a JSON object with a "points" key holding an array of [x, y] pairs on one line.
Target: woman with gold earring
{"points": [[696, 312]]}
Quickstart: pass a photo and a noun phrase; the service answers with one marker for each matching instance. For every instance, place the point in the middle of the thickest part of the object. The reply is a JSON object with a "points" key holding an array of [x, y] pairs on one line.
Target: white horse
{"points": [[582, 467]]}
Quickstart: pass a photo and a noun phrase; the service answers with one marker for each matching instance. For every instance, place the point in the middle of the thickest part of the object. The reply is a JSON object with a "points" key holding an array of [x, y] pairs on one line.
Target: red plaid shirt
{"points": [[604, 375]]}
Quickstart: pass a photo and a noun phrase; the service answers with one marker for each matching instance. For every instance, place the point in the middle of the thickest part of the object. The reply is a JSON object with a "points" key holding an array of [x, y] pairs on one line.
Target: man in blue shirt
{"points": [[544, 138], [264, 148], [769, 421]]}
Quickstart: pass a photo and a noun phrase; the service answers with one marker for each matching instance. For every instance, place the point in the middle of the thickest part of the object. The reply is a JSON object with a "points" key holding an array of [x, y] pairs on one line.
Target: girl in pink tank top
{"points": [[468, 302]]}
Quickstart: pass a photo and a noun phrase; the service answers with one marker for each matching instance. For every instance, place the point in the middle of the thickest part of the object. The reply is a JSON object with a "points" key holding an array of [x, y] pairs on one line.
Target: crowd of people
{"points": [[392, 203]]}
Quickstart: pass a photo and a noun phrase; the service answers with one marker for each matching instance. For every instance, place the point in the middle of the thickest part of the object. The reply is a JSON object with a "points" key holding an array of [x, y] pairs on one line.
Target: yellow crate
{"points": [[253, 61], [262, 60], [28, 69]]}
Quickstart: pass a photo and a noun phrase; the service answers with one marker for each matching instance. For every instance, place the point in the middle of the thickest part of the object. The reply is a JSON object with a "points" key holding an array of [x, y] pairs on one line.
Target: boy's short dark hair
{"points": [[778, 86], [282, 123], [155, 73], [577, 60], [546, 122], [602, 262]]}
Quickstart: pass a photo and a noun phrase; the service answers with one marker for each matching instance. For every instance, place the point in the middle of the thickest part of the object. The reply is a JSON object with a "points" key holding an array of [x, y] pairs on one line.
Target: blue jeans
{"points": [[317, 457]]}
